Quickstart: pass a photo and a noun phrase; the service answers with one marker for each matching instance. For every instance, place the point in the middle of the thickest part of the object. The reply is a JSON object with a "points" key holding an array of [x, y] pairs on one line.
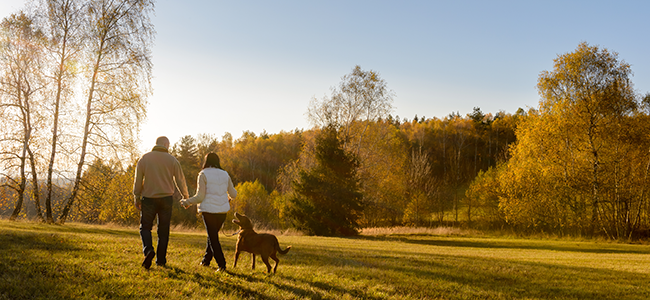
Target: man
{"points": [[157, 176]]}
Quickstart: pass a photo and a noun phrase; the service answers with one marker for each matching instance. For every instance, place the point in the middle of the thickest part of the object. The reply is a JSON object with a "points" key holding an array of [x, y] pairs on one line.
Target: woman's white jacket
{"points": [[214, 189]]}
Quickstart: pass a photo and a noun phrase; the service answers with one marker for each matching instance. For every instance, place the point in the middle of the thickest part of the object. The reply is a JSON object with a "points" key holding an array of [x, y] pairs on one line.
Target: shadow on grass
{"points": [[292, 289], [506, 244], [326, 288], [69, 228], [424, 275], [26, 275], [516, 279]]}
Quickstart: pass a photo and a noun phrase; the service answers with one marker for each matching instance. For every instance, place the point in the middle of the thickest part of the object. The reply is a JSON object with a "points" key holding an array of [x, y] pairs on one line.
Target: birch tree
{"points": [[590, 89], [62, 21], [576, 164], [20, 84], [361, 96], [117, 80]]}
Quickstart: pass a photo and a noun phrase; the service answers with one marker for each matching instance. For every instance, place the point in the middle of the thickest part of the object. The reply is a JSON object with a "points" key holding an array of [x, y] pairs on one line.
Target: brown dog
{"points": [[263, 244]]}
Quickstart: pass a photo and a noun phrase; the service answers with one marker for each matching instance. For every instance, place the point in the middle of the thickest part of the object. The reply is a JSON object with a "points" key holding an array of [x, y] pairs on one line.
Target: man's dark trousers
{"points": [[162, 207]]}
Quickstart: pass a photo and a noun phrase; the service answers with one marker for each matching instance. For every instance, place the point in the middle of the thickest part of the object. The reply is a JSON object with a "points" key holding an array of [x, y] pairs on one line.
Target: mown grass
{"points": [[77, 261]]}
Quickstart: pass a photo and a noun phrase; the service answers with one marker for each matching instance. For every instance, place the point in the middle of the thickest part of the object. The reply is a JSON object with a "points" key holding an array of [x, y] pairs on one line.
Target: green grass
{"points": [[77, 261]]}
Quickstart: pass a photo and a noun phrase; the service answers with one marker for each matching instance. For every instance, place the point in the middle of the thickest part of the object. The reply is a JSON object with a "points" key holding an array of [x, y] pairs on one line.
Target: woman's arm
{"points": [[201, 182]]}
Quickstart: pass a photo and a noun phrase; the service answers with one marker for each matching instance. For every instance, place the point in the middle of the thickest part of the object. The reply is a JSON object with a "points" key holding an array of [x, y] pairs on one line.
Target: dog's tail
{"points": [[285, 251]]}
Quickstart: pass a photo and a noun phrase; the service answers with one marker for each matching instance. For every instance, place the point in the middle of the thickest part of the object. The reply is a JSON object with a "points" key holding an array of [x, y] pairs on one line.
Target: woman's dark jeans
{"points": [[162, 207], [213, 224]]}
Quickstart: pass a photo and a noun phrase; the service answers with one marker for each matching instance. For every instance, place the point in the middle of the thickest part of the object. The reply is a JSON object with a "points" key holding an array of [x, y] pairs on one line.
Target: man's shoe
{"points": [[161, 265], [204, 264], [146, 263]]}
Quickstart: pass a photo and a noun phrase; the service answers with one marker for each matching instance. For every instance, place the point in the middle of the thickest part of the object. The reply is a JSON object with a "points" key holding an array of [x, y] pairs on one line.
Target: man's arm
{"points": [[179, 178], [137, 186]]}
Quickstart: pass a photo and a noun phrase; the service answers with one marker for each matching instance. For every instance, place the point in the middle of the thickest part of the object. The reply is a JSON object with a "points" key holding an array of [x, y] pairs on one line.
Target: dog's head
{"points": [[243, 221]]}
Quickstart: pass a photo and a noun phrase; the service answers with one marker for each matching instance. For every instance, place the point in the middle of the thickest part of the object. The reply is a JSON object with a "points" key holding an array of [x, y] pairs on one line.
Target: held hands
{"points": [[184, 203]]}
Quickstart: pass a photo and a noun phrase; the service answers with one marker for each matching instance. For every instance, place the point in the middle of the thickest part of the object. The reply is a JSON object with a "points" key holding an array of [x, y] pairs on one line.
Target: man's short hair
{"points": [[162, 141]]}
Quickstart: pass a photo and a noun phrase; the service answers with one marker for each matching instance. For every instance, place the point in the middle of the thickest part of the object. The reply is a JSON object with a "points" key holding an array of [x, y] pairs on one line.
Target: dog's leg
{"points": [[236, 258], [253, 267], [277, 261], [265, 259]]}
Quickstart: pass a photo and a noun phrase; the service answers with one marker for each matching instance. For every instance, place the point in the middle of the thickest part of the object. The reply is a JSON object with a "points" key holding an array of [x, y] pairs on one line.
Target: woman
{"points": [[215, 190]]}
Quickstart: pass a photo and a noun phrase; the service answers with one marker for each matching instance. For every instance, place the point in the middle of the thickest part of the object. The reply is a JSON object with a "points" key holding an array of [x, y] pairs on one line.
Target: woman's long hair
{"points": [[212, 161]]}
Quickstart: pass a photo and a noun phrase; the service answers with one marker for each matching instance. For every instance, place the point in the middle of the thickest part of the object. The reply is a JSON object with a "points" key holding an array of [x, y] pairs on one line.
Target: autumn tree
{"points": [[576, 164], [105, 196], [253, 200], [538, 183], [93, 191], [383, 180], [484, 194], [118, 206], [591, 92]]}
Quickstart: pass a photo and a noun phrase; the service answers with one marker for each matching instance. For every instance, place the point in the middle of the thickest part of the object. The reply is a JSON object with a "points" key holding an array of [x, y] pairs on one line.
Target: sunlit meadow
{"points": [[79, 261]]}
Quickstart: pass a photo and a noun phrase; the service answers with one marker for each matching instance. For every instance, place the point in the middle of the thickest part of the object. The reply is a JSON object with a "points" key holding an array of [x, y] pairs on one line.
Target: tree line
{"points": [[577, 164], [74, 81], [409, 172]]}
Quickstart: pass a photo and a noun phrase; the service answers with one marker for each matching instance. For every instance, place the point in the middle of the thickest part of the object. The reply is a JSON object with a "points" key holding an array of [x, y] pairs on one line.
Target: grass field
{"points": [[77, 261]]}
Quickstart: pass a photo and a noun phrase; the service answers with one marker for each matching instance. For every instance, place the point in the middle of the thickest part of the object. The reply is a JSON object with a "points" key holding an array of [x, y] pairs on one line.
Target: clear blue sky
{"points": [[231, 66]]}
